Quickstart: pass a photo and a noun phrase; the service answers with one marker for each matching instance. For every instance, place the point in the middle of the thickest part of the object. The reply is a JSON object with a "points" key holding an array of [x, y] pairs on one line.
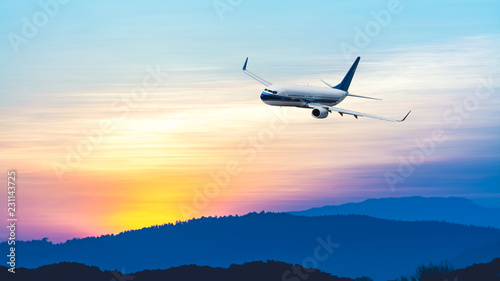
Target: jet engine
{"points": [[319, 113]]}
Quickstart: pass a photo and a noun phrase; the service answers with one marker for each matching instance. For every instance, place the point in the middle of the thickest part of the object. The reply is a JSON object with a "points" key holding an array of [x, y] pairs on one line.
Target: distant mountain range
{"points": [[450, 209], [262, 271], [344, 245]]}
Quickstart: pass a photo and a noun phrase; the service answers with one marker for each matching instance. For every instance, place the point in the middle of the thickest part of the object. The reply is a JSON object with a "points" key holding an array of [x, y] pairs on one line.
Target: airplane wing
{"points": [[354, 113], [255, 76]]}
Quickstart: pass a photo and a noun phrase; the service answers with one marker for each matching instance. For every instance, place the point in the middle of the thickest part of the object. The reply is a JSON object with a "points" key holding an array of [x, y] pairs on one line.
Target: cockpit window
{"points": [[270, 91]]}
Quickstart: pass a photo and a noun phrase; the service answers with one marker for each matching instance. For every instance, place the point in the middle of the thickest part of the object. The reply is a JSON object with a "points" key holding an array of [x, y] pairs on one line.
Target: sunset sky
{"points": [[122, 115]]}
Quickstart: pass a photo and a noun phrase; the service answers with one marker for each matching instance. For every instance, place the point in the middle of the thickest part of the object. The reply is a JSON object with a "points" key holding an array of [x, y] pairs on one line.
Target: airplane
{"points": [[320, 99]]}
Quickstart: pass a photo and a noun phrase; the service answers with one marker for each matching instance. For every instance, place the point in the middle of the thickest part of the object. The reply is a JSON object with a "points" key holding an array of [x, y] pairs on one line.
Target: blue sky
{"points": [[429, 56], [115, 35]]}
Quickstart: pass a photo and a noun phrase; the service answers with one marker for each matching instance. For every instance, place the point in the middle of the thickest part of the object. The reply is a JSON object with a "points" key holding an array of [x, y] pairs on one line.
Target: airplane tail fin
{"points": [[346, 82]]}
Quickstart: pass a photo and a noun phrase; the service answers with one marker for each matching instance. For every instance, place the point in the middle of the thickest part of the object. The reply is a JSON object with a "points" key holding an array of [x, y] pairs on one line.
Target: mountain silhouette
{"points": [[449, 209], [484, 271], [264, 271], [344, 245], [443, 272]]}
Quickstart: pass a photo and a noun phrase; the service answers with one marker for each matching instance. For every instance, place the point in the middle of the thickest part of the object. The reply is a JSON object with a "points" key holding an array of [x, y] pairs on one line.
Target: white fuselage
{"points": [[301, 96], [322, 101]]}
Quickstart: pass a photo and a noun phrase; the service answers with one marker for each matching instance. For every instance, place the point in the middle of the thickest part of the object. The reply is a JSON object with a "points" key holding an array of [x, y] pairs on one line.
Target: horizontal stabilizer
{"points": [[326, 83], [356, 96]]}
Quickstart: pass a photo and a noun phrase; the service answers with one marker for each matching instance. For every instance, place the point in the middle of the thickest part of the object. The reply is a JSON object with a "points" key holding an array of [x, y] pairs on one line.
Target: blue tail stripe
{"points": [[346, 82]]}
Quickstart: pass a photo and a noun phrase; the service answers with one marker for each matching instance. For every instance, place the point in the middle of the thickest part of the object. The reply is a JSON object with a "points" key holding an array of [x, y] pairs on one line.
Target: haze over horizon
{"points": [[198, 116]]}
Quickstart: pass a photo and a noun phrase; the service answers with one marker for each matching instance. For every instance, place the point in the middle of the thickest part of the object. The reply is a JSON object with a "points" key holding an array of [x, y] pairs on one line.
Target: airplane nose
{"points": [[264, 98]]}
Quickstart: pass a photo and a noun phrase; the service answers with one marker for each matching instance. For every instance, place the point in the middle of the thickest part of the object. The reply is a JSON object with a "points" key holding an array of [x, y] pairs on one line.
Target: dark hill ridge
{"points": [[487, 271], [349, 245], [476, 272], [265, 271], [449, 209]]}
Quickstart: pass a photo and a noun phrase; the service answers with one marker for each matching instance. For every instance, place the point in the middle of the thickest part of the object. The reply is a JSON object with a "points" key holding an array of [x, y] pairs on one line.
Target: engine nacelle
{"points": [[319, 113]]}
